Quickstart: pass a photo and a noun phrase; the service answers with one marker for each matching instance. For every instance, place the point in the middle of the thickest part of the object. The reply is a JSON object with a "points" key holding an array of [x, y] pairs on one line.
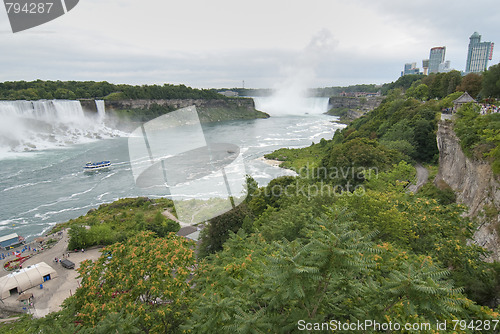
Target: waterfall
{"points": [[44, 124], [291, 105], [101, 109]]}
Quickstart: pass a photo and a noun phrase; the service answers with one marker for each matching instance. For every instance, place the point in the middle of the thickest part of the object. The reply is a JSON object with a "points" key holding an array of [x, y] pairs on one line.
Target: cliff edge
{"points": [[213, 110], [348, 108], [475, 185]]}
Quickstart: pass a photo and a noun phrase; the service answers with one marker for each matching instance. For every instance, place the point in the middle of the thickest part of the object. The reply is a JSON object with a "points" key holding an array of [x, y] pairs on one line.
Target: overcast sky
{"points": [[220, 43]]}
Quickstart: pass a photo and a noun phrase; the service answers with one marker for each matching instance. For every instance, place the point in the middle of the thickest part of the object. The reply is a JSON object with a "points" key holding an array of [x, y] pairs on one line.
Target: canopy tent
{"points": [[25, 278], [7, 241], [25, 296]]}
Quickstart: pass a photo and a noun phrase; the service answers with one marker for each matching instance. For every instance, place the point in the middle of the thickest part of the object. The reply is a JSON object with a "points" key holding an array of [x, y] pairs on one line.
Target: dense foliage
{"points": [[379, 253], [439, 85], [491, 82], [479, 134], [302, 250], [332, 91], [144, 277], [35, 90], [118, 221], [401, 128]]}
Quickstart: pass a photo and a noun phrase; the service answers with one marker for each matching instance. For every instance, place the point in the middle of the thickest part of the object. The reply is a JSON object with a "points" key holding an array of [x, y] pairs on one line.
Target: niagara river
{"points": [[44, 145]]}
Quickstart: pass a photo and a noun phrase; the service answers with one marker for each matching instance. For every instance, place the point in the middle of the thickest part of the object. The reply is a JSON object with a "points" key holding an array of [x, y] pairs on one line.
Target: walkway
{"points": [[55, 291], [446, 116], [421, 178]]}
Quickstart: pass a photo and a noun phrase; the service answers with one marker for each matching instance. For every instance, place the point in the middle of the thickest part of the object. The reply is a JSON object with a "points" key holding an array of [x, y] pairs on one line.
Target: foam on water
{"points": [[49, 186], [282, 104], [46, 124]]}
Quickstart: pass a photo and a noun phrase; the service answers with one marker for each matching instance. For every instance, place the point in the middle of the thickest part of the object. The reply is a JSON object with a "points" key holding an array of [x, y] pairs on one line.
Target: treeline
{"points": [[316, 92], [436, 85], [35, 90], [334, 91], [439, 85]]}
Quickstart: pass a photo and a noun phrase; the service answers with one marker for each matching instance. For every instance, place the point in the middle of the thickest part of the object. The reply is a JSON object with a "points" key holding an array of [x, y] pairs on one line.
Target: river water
{"points": [[43, 185]]}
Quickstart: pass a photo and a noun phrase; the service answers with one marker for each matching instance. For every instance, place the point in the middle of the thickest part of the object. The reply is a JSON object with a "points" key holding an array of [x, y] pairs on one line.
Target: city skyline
{"points": [[478, 55]]}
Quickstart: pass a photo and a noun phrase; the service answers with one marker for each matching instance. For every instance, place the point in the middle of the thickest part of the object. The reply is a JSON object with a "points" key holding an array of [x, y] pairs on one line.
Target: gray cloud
{"points": [[222, 43]]}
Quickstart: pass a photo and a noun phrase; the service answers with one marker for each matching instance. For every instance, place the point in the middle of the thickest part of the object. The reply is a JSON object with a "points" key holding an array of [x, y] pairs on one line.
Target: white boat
{"points": [[92, 166]]}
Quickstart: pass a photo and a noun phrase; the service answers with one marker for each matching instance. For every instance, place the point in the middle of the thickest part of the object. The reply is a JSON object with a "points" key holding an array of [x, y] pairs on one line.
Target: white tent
{"points": [[25, 278]]}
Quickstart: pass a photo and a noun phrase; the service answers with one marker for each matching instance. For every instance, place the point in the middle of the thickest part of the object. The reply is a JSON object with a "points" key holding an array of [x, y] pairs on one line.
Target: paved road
{"points": [[422, 176]]}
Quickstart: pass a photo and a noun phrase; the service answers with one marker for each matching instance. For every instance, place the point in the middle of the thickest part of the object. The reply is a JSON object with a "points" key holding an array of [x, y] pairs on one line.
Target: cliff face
{"points": [[88, 105], [475, 185], [208, 110], [358, 103], [349, 108]]}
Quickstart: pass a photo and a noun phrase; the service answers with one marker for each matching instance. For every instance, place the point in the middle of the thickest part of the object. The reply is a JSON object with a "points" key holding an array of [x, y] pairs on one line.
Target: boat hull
{"points": [[96, 166]]}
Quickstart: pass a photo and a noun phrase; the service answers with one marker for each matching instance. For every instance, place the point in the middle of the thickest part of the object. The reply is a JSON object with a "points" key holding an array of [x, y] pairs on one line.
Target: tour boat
{"points": [[92, 166]]}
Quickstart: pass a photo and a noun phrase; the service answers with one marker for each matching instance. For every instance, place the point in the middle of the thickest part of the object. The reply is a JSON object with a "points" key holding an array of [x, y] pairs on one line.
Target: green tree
{"points": [[472, 84], [425, 139], [419, 92], [253, 286], [338, 272], [144, 277], [219, 228], [402, 130], [79, 237], [491, 82], [344, 163], [62, 93], [418, 290]]}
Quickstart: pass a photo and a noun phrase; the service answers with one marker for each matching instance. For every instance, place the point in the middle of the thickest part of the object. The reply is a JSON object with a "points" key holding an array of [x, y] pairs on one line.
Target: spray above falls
{"points": [[291, 95], [45, 124]]}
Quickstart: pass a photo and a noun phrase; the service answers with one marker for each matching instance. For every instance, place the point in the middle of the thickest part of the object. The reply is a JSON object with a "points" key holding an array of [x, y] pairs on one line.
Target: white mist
{"points": [[291, 96]]}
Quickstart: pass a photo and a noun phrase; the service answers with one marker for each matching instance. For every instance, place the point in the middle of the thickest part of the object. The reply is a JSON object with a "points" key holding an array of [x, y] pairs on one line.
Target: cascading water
{"points": [[277, 105], [44, 124], [101, 109]]}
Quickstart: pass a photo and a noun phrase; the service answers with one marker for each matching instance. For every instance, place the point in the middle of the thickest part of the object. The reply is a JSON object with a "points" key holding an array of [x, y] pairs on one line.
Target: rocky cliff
{"points": [[208, 110], [349, 108], [475, 185]]}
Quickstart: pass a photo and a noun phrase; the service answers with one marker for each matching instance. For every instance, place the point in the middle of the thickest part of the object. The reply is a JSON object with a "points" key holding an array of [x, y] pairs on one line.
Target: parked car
{"points": [[67, 264]]}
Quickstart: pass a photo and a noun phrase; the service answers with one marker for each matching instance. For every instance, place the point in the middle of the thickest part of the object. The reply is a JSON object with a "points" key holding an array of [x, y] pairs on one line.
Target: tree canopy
{"points": [[39, 89]]}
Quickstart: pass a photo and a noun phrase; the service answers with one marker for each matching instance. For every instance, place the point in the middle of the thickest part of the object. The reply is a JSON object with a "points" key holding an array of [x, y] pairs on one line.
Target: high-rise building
{"points": [[478, 55], [410, 68], [436, 58], [445, 67], [425, 65]]}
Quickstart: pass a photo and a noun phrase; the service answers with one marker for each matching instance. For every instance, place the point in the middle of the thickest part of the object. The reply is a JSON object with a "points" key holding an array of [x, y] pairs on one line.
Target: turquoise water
{"points": [[41, 188]]}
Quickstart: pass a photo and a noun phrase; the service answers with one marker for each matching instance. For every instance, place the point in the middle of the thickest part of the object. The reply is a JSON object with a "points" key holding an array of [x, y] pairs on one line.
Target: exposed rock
{"points": [[208, 110], [349, 108], [88, 105], [475, 185], [359, 103]]}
